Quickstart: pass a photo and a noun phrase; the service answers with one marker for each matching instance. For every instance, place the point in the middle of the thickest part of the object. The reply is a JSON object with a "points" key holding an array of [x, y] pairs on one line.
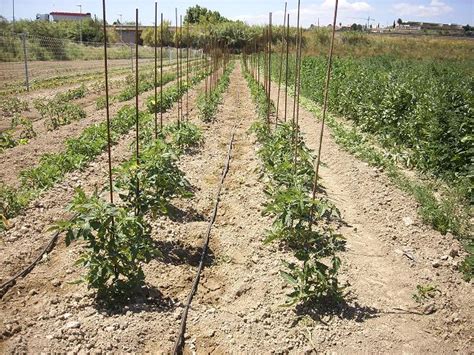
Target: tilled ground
{"points": [[237, 308], [21, 157]]}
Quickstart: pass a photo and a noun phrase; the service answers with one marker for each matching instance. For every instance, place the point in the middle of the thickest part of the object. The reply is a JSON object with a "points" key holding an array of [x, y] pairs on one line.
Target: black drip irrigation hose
{"points": [[4, 287], [178, 347]]}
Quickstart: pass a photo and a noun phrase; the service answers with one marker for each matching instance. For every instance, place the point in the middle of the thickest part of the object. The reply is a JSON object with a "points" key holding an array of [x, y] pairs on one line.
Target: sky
{"points": [[384, 12]]}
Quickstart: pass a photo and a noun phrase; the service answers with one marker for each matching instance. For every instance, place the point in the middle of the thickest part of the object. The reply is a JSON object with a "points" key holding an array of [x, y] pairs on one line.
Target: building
{"points": [[58, 16], [127, 32], [429, 27], [42, 17]]}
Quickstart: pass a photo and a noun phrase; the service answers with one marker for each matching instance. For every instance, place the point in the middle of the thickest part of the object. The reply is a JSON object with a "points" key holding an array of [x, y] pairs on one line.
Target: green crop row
{"points": [[117, 236], [300, 222], [53, 167], [207, 103], [421, 112]]}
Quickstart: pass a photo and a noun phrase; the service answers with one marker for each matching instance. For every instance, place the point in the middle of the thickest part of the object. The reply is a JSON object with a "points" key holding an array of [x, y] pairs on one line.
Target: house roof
{"points": [[70, 13]]}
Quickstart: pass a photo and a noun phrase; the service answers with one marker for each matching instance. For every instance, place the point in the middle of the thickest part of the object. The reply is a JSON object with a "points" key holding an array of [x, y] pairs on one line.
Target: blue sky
{"points": [[256, 11]]}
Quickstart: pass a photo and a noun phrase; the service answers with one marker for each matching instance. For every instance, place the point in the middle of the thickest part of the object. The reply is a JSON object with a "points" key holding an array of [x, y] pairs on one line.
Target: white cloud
{"points": [[310, 13], [433, 9]]}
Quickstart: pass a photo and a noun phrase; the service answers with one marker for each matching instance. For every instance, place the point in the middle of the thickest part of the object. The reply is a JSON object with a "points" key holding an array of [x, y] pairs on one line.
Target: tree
{"points": [[393, 24], [112, 35], [148, 35], [399, 21], [197, 14]]}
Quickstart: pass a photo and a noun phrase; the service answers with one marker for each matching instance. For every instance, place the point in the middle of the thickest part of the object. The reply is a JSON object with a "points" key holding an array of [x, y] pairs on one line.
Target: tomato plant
{"points": [[117, 242], [158, 176]]}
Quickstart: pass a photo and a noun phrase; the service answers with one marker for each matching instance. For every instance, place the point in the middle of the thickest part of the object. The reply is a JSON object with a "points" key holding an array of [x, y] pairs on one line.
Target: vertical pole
{"points": [[131, 55], [13, 22], [80, 24], [205, 68], [286, 60], [326, 90], [156, 65], [107, 113], [181, 64], [161, 73], [187, 70], [265, 48], [258, 67], [296, 62], [269, 66], [177, 55], [137, 156], [281, 67], [299, 82], [25, 55]]}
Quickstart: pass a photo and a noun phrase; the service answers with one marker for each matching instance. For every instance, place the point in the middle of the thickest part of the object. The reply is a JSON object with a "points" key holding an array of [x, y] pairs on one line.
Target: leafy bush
{"points": [[183, 136], [12, 105], [207, 104], [158, 177], [422, 112], [117, 242], [72, 94], [58, 113]]}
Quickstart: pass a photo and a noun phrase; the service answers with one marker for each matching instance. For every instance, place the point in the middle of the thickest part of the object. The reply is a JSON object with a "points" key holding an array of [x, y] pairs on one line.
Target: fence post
{"points": [[131, 55], [23, 41]]}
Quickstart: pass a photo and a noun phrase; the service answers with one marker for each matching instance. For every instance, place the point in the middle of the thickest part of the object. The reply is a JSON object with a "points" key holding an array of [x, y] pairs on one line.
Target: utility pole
{"points": [[80, 21], [13, 23], [121, 29]]}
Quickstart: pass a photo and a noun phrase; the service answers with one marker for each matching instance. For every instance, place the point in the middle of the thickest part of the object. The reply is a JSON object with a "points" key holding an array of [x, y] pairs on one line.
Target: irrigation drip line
{"points": [[178, 347], [4, 287]]}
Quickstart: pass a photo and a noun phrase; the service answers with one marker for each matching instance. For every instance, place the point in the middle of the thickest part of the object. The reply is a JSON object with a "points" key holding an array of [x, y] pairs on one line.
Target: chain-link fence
{"points": [[25, 59]]}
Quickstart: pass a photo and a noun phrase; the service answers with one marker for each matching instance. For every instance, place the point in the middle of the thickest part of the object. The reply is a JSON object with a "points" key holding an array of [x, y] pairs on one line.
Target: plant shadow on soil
{"points": [[190, 214], [348, 309], [177, 253], [144, 299]]}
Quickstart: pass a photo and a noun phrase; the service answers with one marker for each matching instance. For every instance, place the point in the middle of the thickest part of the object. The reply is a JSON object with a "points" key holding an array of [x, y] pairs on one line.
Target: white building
{"points": [[57, 16]]}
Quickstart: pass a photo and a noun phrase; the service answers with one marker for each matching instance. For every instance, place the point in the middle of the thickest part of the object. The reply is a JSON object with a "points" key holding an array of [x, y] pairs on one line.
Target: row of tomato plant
{"points": [[146, 82], [79, 151], [207, 103], [421, 115], [173, 93], [300, 223], [117, 236], [55, 112]]}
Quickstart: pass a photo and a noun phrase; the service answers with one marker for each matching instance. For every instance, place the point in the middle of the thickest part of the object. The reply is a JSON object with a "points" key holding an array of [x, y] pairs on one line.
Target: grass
{"points": [[403, 46]]}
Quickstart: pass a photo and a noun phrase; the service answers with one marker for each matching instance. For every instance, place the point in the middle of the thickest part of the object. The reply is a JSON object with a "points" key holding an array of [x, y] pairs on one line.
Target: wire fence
{"points": [[26, 59]]}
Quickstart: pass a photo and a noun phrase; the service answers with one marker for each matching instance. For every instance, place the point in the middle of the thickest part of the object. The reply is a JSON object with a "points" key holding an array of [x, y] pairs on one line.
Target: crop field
{"points": [[232, 188]]}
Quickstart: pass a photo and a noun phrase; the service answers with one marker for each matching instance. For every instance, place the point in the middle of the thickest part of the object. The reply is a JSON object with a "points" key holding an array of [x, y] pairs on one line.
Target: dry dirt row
{"points": [[41, 70], [237, 308]]}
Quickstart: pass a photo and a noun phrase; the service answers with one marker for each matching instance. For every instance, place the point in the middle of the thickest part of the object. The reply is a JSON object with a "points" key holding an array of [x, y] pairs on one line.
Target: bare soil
{"points": [[237, 308]]}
